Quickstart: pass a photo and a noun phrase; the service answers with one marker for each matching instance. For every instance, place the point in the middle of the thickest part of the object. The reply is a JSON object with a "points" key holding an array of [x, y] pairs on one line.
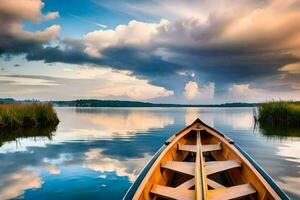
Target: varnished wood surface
{"points": [[172, 163]]}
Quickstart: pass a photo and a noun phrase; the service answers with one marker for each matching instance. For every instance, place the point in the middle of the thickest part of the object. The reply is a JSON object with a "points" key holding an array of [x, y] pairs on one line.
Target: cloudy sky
{"points": [[169, 51]]}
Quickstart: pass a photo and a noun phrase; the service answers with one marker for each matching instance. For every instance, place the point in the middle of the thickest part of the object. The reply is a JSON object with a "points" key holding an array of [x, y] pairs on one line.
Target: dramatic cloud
{"points": [[222, 45], [291, 68], [239, 45], [13, 38], [135, 34], [22, 9]]}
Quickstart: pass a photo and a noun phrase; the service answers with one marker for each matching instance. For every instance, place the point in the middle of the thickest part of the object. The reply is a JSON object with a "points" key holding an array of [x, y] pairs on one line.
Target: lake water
{"points": [[96, 153]]}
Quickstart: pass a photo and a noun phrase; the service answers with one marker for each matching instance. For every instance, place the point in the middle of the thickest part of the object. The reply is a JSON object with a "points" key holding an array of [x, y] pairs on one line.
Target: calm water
{"points": [[96, 153]]}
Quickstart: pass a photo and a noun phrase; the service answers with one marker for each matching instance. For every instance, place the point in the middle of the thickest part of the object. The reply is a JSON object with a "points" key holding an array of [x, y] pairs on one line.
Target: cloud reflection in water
{"points": [[98, 152]]}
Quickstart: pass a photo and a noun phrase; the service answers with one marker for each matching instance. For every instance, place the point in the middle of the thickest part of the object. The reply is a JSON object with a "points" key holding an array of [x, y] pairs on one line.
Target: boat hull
{"points": [[188, 164]]}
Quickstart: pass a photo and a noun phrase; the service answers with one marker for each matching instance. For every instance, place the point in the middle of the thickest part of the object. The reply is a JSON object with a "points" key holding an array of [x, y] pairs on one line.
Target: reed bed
{"points": [[19, 115], [279, 114]]}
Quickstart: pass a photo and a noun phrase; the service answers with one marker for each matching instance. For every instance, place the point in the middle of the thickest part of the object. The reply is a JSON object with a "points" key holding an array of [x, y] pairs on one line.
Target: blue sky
{"points": [[80, 17], [158, 51]]}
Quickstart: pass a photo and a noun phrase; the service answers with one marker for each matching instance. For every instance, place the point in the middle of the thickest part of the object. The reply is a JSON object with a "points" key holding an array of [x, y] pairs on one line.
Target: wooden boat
{"points": [[201, 163]]}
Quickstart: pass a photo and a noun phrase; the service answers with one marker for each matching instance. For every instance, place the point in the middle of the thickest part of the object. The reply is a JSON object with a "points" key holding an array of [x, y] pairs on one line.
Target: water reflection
{"points": [[280, 132], [34, 133], [13, 185], [81, 142], [130, 167], [291, 152], [96, 153], [124, 121]]}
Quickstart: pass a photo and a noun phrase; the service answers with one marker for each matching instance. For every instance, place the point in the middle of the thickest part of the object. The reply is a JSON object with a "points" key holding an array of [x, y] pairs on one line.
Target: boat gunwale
{"points": [[263, 173], [133, 188]]}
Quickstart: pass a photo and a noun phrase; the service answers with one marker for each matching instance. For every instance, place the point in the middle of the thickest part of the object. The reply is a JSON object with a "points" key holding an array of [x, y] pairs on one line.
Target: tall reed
{"points": [[278, 114], [17, 115]]}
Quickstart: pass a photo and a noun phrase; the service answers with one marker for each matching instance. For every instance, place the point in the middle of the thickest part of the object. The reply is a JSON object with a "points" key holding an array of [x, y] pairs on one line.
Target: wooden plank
{"points": [[187, 184], [190, 183], [200, 183], [173, 193], [211, 147], [211, 167], [181, 167], [205, 148], [214, 184], [187, 147], [155, 174], [218, 166], [248, 172], [231, 192]]}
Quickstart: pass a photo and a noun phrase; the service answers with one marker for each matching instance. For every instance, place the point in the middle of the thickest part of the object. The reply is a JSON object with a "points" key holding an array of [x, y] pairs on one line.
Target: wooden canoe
{"points": [[201, 163]]}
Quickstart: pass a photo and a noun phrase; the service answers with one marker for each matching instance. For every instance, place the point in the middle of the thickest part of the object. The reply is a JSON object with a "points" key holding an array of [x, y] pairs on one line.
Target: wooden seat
{"points": [[173, 193], [211, 167], [186, 168], [181, 167], [218, 166], [190, 183], [216, 194], [214, 184], [205, 148], [231, 192], [187, 184]]}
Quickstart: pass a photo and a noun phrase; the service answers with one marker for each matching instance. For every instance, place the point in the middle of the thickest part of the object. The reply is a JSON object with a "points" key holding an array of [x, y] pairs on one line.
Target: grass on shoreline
{"points": [[279, 114], [18, 115]]}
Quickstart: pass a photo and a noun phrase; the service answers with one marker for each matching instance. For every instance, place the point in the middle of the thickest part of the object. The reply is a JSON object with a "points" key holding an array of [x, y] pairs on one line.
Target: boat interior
{"points": [[200, 163]]}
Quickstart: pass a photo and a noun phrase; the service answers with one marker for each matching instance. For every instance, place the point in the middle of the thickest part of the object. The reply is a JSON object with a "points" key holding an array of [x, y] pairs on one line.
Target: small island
{"points": [[27, 115]]}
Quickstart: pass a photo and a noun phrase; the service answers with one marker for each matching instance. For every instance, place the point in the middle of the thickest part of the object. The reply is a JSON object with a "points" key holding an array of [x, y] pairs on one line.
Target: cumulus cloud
{"points": [[135, 34], [22, 9], [243, 91], [13, 38], [224, 44], [240, 89], [193, 91], [248, 93], [207, 91]]}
